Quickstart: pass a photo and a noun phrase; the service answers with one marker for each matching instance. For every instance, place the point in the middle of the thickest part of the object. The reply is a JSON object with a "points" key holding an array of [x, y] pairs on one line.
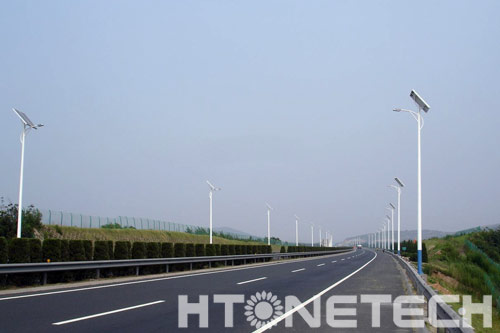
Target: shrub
{"points": [[282, 250], [179, 250], [139, 250], [190, 250], [19, 250], [8, 221], [3, 250], [111, 252], [122, 250], [167, 250], [232, 249], [200, 250], [35, 250], [51, 249], [269, 249], [210, 250], [153, 250], [217, 249], [101, 250], [76, 250], [224, 249], [87, 247]]}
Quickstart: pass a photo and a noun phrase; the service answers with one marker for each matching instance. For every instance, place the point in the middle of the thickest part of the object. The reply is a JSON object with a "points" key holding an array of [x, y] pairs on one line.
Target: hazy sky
{"points": [[287, 102]]}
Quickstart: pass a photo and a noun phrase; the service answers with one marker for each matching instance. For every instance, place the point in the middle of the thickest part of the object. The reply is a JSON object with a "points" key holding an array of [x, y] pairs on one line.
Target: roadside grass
{"points": [[134, 235], [454, 269]]}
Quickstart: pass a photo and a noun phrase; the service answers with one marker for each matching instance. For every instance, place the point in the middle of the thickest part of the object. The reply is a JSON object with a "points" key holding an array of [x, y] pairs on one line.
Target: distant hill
{"points": [[426, 234], [229, 230]]}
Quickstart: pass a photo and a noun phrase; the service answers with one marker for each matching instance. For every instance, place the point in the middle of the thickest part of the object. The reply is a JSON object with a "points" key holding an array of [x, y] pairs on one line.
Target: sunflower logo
{"points": [[261, 308]]}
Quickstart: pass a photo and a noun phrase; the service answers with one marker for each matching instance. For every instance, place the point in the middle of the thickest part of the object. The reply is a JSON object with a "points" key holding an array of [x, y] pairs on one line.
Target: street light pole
{"points": [[312, 235], [398, 189], [422, 106], [296, 230], [27, 125], [269, 208], [210, 195]]}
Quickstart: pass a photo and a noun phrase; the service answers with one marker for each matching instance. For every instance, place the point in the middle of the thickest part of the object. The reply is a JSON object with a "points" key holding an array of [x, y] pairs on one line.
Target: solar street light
{"points": [[296, 230], [27, 126], [210, 195], [422, 105], [269, 208], [398, 189]]}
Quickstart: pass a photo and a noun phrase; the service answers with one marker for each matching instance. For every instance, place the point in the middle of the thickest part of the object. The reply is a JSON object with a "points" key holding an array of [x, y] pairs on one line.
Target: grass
{"points": [[454, 269], [134, 235]]}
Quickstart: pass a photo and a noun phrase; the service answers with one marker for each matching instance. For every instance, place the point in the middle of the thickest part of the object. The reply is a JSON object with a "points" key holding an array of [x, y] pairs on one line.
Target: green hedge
{"points": [[19, 250], [111, 252], [139, 250], [76, 250], [3, 250], [210, 250], [190, 250], [122, 250], [153, 250], [224, 249], [232, 249], [217, 249], [179, 250], [200, 250], [88, 249], [65, 250], [51, 249], [35, 250], [101, 251], [167, 250]]}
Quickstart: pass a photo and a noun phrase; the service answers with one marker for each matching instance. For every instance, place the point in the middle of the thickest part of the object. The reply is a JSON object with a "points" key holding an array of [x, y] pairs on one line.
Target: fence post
{"points": [[141, 223], [120, 220], [81, 221], [90, 224], [71, 219], [61, 218], [99, 221], [50, 216], [134, 221]]}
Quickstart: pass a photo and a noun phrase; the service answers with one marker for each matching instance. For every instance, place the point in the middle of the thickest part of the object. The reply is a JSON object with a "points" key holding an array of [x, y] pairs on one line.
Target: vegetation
{"points": [[456, 266], [32, 220]]}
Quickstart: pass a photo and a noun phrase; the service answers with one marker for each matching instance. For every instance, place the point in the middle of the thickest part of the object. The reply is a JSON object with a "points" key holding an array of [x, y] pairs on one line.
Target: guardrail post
{"points": [[137, 270], [98, 273], [190, 266], [209, 264], [166, 268], [44, 278]]}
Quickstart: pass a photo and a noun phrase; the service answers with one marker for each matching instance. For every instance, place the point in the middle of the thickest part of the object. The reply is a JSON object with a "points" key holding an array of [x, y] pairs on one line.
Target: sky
{"points": [[285, 102]]}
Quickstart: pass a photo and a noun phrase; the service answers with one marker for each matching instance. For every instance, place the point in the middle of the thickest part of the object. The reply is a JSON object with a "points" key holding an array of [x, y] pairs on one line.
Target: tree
{"points": [[32, 219]]}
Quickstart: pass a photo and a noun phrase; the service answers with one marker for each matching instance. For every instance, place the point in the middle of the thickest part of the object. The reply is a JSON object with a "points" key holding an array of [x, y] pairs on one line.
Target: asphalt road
{"points": [[152, 305]]}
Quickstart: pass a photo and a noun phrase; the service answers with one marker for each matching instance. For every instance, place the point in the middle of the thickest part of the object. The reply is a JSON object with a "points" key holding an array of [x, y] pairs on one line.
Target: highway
{"points": [[151, 304]]}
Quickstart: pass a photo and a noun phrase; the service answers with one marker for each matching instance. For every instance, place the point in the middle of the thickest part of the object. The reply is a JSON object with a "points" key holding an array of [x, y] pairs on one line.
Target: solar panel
{"points": [[399, 182], [392, 206], [420, 101], [24, 118]]}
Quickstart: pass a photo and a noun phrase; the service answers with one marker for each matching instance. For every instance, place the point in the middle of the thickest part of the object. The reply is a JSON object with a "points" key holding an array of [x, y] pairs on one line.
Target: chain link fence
{"points": [[56, 217]]}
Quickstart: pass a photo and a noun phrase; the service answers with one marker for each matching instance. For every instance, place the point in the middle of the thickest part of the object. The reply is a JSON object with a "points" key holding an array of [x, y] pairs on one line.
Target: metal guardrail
{"points": [[444, 311], [45, 268]]}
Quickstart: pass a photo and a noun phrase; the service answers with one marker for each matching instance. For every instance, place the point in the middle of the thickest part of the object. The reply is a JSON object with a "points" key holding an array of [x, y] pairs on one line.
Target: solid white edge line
{"points": [[320, 265], [299, 270], [334, 261], [119, 284], [300, 306], [244, 282], [106, 313]]}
